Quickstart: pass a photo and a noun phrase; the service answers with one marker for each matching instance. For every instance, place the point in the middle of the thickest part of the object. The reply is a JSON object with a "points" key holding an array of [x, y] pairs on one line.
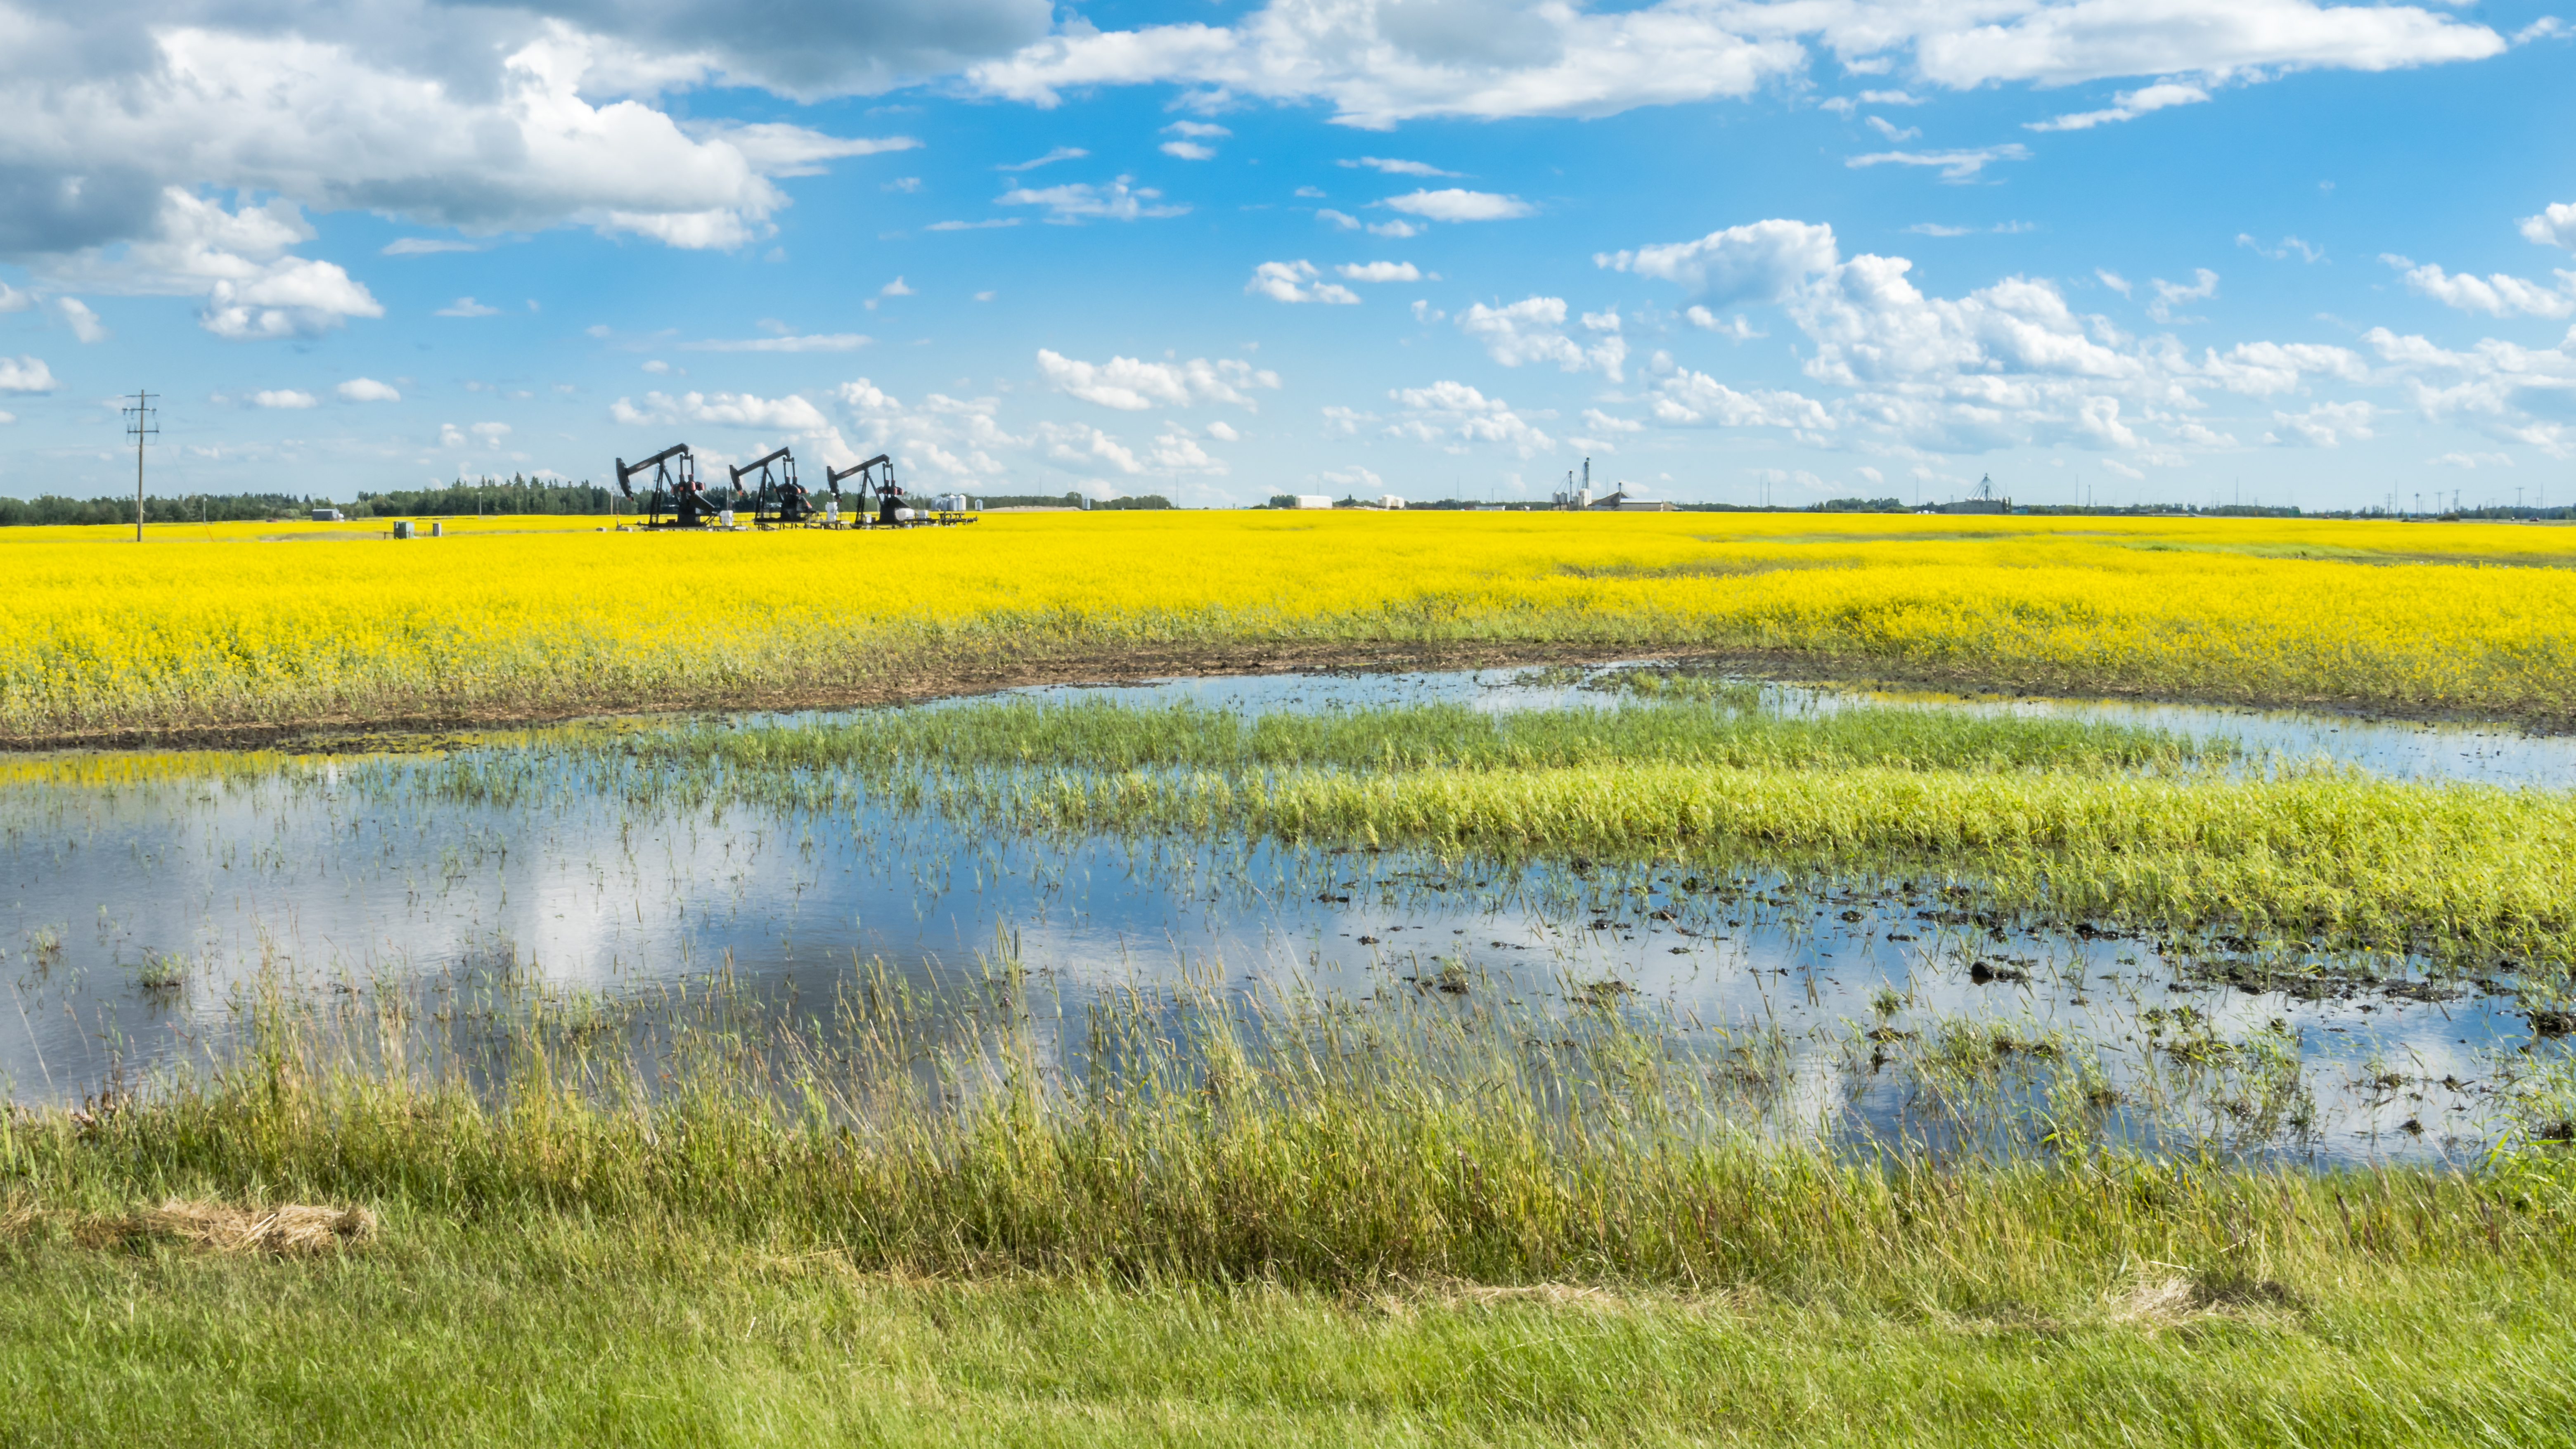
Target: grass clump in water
{"points": [[1106, 735]]}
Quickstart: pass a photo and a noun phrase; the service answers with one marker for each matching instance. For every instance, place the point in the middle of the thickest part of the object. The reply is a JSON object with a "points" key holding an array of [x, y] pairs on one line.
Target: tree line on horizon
{"points": [[517, 494], [489, 497]]}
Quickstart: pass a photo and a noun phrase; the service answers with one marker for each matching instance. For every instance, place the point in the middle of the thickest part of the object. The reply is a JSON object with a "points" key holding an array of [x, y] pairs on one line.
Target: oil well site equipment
{"points": [[892, 512], [775, 497], [779, 498], [676, 489], [888, 491]]}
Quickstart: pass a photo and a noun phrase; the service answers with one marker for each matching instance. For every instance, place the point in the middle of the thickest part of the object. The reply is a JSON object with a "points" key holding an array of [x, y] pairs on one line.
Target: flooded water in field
{"points": [[137, 916], [2399, 749]]}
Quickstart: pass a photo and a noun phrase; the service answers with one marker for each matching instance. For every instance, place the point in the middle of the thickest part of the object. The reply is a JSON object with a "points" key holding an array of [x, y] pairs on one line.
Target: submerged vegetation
{"points": [[2069, 821], [1203, 1132], [2463, 874], [208, 631], [1719, 731]]}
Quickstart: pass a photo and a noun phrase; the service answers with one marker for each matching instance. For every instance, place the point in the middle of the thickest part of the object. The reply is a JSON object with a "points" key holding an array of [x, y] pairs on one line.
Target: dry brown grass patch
{"points": [[2166, 1302], [227, 1228]]}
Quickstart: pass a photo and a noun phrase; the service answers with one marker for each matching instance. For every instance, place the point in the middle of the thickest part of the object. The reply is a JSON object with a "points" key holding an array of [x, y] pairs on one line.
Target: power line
{"points": [[139, 426]]}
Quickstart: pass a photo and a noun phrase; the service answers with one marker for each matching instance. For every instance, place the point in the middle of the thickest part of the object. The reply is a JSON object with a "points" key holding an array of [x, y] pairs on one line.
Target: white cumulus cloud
{"points": [[1733, 328], [26, 374], [486, 122], [2554, 226], [1533, 330], [1956, 165], [1131, 384], [1694, 399], [1392, 167], [2127, 106], [1296, 282], [1379, 272], [2325, 425], [808, 342], [2496, 295], [1760, 261], [1454, 414], [1080, 202], [791, 415], [1380, 62], [83, 322], [1060, 153], [1084, 446], [1454, 204], [367, 389], [2203, 286]]}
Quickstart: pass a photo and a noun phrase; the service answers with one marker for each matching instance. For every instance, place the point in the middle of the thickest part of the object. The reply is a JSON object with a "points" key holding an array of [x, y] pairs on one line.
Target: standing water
{"points": [[145, 900]]}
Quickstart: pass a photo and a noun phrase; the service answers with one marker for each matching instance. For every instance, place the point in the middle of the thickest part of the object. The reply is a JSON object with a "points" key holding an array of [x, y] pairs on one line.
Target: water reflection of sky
{"points": [[379, 888]]}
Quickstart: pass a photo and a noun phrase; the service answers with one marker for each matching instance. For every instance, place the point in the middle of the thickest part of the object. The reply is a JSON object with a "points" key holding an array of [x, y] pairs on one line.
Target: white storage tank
{"points": [[1389, 500], [1314, 500]]}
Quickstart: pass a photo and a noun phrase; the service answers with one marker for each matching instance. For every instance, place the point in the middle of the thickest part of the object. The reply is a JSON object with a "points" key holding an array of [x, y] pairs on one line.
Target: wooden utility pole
{"points": [[138, 426]]}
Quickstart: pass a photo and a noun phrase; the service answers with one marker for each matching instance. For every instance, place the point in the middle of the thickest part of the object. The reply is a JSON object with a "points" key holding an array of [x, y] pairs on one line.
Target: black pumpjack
{"points": [[779, 498], [675, 489], [889, 493]]}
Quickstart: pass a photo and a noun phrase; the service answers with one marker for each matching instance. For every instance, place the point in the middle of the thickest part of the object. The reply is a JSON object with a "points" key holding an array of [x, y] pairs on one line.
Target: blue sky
{"points": [[2112, 249]]}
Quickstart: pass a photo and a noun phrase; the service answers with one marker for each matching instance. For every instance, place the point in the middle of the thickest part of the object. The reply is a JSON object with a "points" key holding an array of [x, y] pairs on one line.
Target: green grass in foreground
{"points": [[552, 1329], [1397, 1220]]}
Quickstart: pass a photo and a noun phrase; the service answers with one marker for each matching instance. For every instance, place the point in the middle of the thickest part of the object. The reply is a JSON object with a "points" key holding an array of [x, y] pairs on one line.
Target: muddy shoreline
{"points": [[966, 676]]}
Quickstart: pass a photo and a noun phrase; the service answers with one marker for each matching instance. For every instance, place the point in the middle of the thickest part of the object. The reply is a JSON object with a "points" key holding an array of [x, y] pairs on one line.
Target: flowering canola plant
{"points": [[263, 624]]}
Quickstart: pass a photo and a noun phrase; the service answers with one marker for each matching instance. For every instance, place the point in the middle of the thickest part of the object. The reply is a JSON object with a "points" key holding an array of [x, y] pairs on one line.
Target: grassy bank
{"points": [[554, 1329], [215, 630], [1396, 1224]]}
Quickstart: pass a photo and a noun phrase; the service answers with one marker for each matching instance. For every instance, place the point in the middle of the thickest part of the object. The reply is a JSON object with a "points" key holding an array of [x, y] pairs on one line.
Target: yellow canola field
{"points": [[243, 624]]}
